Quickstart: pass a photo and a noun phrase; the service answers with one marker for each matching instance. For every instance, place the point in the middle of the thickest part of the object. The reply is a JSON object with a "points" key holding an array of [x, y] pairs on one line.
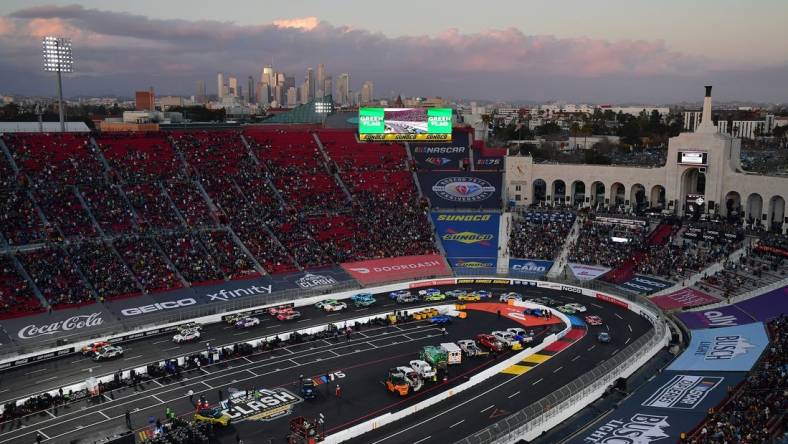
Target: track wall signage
{"points": [[462, 189], [468, 235], [58, 323], [399, 268], [684, 298], [587, 272], [644, 285], [442, 156], [723, 349], [674, 402]]}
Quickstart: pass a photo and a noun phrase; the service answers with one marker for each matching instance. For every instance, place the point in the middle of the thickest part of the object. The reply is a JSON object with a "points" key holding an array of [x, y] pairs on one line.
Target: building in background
{"points": [[220, 86], [328, 86], [321, 80], [167, 102], [250, 96], [310, 85], [746, 124], [232, 86], [292, 97], [144, 100], [343, 89], [200, 96], [367, 92]]}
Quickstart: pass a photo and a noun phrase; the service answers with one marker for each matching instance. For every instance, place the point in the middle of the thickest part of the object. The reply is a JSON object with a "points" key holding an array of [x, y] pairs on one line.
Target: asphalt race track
{"points": [[359, 365]]}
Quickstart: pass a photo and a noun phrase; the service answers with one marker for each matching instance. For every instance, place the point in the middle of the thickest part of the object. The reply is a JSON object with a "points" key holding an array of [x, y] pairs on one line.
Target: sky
{"points": [[601, 51]]}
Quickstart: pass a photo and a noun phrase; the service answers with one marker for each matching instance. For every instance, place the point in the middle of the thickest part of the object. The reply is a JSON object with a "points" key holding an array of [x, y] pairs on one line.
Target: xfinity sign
{"points": [[225, 295], [159, 306]]}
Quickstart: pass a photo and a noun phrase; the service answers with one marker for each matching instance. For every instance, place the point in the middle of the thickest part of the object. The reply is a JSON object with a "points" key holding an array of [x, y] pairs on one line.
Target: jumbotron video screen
{"points": [[404, 124]]}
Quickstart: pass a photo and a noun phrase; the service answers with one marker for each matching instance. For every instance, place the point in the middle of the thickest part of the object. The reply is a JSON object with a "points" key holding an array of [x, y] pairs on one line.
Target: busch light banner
{"points": [[684, 298], [468, 235], [488, 264], [442, 156], [674, 402], [462, 189], [532, 268], [729, 349]]}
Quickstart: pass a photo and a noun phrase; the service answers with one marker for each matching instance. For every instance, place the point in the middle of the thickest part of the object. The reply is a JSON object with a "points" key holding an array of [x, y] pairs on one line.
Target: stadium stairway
{"points": [[268, 180], [9, 157], [328, 162], [503, 242], [625, 271], [660, 235], [33, 286], [562, 259]]}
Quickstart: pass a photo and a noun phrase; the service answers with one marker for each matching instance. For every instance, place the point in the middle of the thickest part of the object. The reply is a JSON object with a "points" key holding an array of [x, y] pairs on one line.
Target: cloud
{"points": [[116, 52]]}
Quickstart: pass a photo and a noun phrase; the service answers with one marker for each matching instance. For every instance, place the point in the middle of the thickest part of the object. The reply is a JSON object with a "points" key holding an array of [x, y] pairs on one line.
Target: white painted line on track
{"points": [[47, 379], [162, 342], [618, 316], [457, 423], [595, 305], [242, 333], [253, 373], [36, 371], [133, 357], [488, 408], [575, 358], [157, 382], [361, 309], [614, 352], [303, 320], [207, 385], [172, 348], [106, 397], [104, 414], [422, 440], [514, 394], [627, 341], [630, 328], [558, 369], [272, 326], [537, 381], [156, 398], [51, 414], [77, 361], [248, 360], [205, 371], [592, 347], [43, 434]]}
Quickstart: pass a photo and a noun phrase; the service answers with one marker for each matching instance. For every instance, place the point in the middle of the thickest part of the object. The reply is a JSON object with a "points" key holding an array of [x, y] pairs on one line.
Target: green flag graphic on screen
{"points": [[370, 121], [439, 120]]}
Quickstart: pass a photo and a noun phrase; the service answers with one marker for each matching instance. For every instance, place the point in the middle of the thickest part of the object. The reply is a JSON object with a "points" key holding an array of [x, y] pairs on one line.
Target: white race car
{"points": [[334, 306], [186, 336], [247, 322], [108, 352], [510, 296], [422, 368], [580, 308], [520, 334], [506, 337], [429, 292]]}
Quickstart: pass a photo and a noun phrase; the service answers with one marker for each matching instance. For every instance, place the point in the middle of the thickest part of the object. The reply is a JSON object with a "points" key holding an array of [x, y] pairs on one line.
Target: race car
{"points": [[593, 320], [189, 326], [406, 298], [469, 297], [212, 416], [506, 297], [469, 347], [429, 291], [567, 309], [550, 302], [233, 318], [506, 337], [247, 322], [334, 306], [440, 320], [535, 312], [490, 342], [580, 308], [604, 337], [322, 304], [521, 335], [273, 311], [308, 388], [395, 295], [456, 293], [484, 294], [108, 352], [93, 348], [434, 297], [363, 299], [288, 315], [186, 336]]}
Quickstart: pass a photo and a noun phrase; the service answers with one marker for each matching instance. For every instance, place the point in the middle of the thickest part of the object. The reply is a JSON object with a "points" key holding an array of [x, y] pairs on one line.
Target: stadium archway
{"points": [[693, 182], [597, 192], [733, 205], [637, 196], [559, 191], [776, 213], [578, 192], [754, 208], [617, 194], [658, 196], [540, 190]]}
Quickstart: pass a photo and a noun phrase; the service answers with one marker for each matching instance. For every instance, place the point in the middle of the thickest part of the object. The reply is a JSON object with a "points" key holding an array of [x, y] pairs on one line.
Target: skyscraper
{"points": [[220, 86], [367, 93], [267, 76], [321, 80], [310, 85], [290, 82], [328, 86], [292, 97], [232, 86], [250, 90], [200, 96], [343, 89], [303, 94]]}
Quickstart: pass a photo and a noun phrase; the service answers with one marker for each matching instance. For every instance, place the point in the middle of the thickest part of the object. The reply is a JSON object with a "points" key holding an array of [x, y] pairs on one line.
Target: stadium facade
{"points": [[703, 173]]}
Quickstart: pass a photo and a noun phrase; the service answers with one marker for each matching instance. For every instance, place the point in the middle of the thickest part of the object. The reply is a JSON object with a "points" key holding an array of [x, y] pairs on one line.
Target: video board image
{"points": [[404, 124]]}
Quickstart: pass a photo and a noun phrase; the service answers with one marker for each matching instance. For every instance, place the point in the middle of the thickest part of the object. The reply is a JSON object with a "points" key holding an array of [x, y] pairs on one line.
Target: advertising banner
{"points": [[442, 156], [774, 250], [53, 325], [402, 124], [533, 268], [477, 263], [488, 163], [468, 235], [462, 189], [729, 349], [644, 285], [684, 298], [767, 306], [587, 272], [729, 316], [674, 402], [398, 268]]}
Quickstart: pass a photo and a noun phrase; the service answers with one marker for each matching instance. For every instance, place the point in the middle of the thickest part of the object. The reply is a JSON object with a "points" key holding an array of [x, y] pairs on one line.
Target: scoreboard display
{"points": [[404, 124]]}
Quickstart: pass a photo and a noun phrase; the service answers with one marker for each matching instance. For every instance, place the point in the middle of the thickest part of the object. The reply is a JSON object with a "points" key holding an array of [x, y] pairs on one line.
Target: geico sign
{"points": [[168, 305], [72, 323]]}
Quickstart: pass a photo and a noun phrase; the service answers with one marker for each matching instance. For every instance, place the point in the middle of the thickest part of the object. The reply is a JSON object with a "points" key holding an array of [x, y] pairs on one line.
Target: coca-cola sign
{"points": [[78, 322]]}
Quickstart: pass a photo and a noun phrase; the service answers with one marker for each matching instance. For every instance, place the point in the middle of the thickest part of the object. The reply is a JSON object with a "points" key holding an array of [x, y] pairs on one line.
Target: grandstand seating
{"points": [[63, 210], [189, 257], [20, 223], [152, 206], [105, 271], [228, 256], [140, 158], [146, 261], [63, 158], [539, 235], [16, 295], [108, 206], [56, 276]]}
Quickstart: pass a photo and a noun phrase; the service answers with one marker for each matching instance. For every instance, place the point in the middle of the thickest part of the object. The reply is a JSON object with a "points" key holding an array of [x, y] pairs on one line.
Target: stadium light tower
{"points": [[58, 58]]}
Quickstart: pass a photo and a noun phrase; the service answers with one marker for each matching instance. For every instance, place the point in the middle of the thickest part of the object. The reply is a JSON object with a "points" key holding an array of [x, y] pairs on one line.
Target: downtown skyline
{"points": [[119, 52]]}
